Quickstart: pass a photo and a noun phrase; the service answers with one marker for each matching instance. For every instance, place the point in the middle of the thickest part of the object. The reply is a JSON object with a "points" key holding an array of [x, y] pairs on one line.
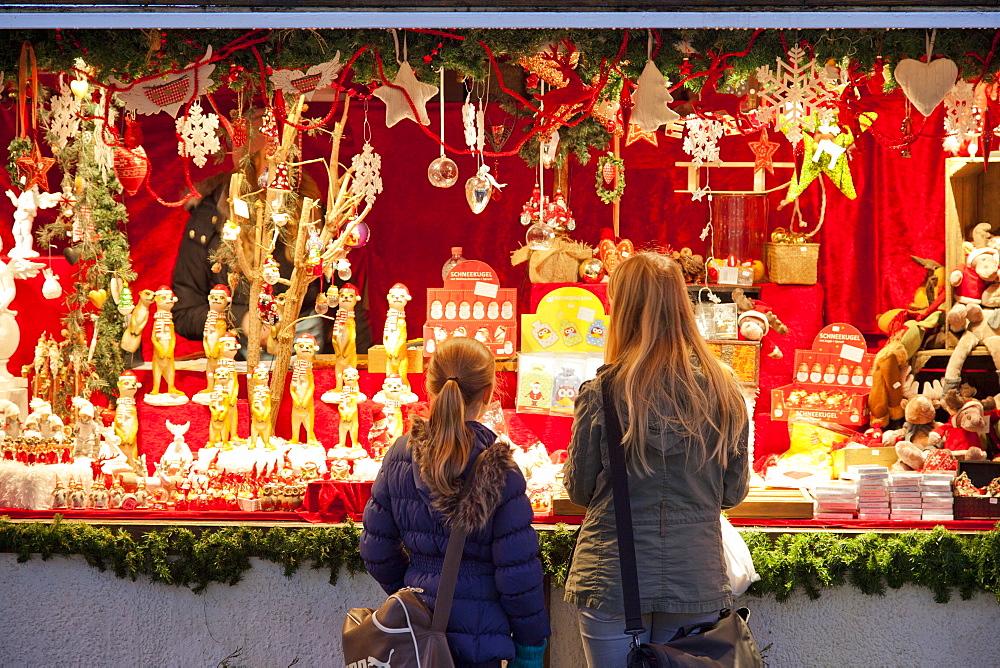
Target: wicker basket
{"points": [[792, 263]]}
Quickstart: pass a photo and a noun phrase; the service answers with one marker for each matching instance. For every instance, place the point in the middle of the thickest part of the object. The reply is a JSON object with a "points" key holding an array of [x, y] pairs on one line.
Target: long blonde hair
{"points": [[664, 372], [461, 371]]}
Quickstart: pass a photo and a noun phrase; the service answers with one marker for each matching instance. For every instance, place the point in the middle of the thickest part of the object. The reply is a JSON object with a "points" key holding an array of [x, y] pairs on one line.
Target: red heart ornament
{"points": [[131, 168]]}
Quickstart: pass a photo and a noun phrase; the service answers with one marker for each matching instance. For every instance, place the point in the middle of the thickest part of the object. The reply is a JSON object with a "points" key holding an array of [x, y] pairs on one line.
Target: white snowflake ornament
{"points": [[701, 142], [959, 116], [64, 122], [367, 167], [197, 132], [795, 92]]}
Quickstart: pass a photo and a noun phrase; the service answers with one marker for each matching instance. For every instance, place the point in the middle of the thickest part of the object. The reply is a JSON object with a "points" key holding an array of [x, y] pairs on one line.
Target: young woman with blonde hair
{"points": [[684, 426], [499, 608]]}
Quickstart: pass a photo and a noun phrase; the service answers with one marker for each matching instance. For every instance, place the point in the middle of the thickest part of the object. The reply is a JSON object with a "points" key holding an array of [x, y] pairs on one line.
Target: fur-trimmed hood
{"points": [[487, 491]]}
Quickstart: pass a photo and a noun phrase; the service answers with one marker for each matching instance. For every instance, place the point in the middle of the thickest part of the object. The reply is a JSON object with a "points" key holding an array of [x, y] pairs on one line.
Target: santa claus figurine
{"points": [[757, 321]]}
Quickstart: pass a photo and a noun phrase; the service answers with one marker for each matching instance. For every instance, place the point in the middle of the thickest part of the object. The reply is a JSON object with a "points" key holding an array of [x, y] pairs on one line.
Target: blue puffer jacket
{"points": [[499, 598]]}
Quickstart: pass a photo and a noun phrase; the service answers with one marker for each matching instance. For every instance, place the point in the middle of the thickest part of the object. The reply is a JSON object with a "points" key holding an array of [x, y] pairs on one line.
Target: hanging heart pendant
{"points": [[477, 192]]}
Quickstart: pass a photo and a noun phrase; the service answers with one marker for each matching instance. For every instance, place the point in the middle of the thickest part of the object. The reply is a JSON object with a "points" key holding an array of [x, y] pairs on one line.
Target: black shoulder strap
{"points": [[452, 560], [623, 512]]}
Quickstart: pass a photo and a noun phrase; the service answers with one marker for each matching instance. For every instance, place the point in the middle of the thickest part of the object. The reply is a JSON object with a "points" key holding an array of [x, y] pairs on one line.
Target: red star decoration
{"points": [[763, 150], [635, 133], [33, 169]]}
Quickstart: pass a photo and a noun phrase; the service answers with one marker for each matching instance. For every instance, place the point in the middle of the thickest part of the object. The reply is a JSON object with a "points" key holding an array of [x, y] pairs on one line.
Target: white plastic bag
{"points": [[739, 563]]}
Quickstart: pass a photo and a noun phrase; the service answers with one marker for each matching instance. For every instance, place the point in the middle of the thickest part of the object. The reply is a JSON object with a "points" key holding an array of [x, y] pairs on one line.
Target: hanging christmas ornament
{"points": [[550, 149], [67, 205], [479, 187], [168, 93], [33, 169], [125, 302], [367, 168], [64, 121], [763, 152], [239, 133], [792, 94], [540, 237], [358, 237], [271, 273], [133, 132], [51, 288], [83, 224], [267, 307], [230, 230], [131, 167], [405, 89], [701, 142], [80, 88], [269, 128], [322, 306], [197, 133], [650, 100], [635, 133], [838, 171], [104, 153], [314, 248], [442, 172], [317, 77], [610, 178], [960, 122], [344, 269], [926, 84]]}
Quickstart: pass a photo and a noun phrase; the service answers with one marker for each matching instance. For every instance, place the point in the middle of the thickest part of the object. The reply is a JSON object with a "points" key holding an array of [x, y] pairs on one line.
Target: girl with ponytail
{"points": [[498, 612]]}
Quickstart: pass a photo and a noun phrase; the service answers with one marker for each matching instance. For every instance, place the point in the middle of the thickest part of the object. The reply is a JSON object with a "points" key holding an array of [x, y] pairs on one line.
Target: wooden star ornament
{"points": [[635, 133], [763, 152], [34, 168], [397, 107]]}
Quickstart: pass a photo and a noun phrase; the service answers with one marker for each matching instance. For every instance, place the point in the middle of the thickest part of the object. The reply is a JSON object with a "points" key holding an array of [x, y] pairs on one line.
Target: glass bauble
{"points": [[591, 270], [443, 172], [344, 271], [359, 236], [540, 237], [477, 193]]}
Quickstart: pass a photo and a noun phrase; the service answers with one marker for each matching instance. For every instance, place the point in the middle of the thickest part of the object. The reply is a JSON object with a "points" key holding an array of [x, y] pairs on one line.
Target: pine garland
{"points": [[811, 562]]}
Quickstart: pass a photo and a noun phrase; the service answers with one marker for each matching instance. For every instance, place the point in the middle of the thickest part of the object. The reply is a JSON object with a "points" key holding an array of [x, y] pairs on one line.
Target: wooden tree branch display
{"points": [[265, 216]]}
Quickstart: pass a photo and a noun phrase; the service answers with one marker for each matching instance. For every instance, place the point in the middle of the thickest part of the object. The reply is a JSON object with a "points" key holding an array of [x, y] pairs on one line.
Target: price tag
{"points": [[586, 314], [488, 290], [874, 452], [852, 353], [240, 208], [993, 500]]}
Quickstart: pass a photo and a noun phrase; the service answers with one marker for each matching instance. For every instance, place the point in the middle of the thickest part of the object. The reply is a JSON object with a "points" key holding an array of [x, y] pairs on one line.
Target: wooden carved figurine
{"points": [[98, 495], [348, 410], [137, 320], [164, 340], [302, 388], [394, 333], [221, 410], [215, 328], [260, 407], [77, 497], [391, 399], [345, 350], [126, 418], [229, 346]]}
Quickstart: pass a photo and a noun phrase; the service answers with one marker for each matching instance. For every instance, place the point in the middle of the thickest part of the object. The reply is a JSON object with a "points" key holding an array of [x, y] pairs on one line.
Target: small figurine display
{"points": [[164, 341], [303, 387], [348, 379], [344, 334], [215, 328], [126, 425], [229, 346], [42, 422], [116, 494], [87, 440], [77, 495], [98, 495], [132, 336], [394, 333], [348, 412], [392, 396], [10, 419], [60, 495], [222, 406], [260, 407]]}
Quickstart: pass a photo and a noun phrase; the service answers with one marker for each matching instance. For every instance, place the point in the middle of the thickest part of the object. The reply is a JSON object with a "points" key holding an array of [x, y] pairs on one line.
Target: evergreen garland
{"points": [[810, 562]]}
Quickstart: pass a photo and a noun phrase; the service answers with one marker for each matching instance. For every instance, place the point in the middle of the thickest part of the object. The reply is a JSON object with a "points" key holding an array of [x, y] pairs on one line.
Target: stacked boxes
{"points": [[835, 501], [873, 491], [904, 496], [937, 498]]}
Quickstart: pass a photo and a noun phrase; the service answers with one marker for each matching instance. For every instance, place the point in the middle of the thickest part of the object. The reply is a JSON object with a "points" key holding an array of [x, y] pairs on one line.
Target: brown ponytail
{"points": [[460, 372]]}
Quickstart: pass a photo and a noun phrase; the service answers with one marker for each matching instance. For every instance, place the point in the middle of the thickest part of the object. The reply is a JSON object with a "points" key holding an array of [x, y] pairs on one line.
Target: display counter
{"points": [[274, 596]]}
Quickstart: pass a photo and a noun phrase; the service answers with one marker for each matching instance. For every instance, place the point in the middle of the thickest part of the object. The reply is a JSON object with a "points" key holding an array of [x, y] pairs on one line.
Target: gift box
{"points": [[846, 457]]}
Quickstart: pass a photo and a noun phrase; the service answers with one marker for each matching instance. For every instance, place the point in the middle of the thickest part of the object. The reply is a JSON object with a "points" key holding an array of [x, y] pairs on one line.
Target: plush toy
{"points": [[918, 435], [969, 432], [756, 321], [889, 371], [969, 284]]}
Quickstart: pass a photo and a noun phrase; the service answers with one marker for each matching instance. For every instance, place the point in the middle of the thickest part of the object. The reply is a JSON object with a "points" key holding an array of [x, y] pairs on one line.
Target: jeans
{"points": [[605, 643]]}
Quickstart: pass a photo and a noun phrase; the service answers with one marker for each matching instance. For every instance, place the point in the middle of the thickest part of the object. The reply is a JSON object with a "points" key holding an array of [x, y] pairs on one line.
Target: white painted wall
{"points": [[66, 613]]}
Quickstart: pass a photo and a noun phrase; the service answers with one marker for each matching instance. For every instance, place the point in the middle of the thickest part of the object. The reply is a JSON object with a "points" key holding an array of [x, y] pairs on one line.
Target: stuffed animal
{"points": [[969, 432], [889, 371], [917, 437], [970, 282], [756, 321]]}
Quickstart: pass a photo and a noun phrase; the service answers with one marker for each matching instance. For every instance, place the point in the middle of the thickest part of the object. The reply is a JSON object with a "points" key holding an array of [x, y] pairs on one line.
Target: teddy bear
{"points": [[756, 320], [917, 436], [969, 434], [971, 281]]}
